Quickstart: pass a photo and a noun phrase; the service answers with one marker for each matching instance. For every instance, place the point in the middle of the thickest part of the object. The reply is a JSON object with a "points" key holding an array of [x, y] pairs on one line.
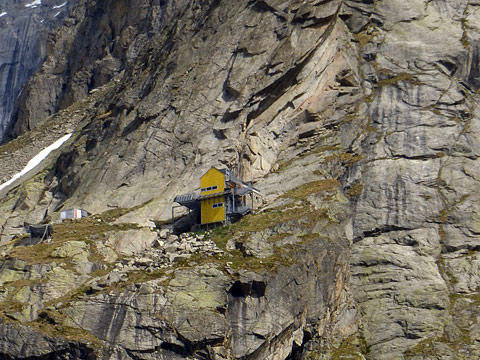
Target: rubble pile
{"points": [[168, 249]]}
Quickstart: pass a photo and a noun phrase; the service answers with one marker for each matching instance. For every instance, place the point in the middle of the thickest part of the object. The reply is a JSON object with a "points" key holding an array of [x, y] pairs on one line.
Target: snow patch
{"points": [[58, 13], [59, 6], [3, 14], [33, 4], [37, 159]]}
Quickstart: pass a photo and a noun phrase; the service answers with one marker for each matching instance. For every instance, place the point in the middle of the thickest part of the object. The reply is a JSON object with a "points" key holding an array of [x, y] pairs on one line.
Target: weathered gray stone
{"points": [[419, 173], [257, 245], [360, 127], [131, 242], [24, 31]]}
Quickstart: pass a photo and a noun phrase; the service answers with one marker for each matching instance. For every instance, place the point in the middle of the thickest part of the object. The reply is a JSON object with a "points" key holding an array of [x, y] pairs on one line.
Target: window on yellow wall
{"points": [[217, 205], [209, 188]]}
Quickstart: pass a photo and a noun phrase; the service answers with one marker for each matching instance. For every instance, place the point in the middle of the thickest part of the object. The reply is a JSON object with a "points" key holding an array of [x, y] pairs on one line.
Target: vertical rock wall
{"points": [[360, 122], [92, 46], [24, 27], [415, 256]]}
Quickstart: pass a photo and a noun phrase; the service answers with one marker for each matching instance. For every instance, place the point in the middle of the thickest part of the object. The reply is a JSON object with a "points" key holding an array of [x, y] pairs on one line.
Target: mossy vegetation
{"points": [[236, 260], [114, 214], [88, 230], [350, 117], [299, 213], [369, 98], [355, 190], [347, 159], [277, 237], [313, 187], [50, 323], [353, 347], [313, 355], [390, 78], [83, 230], [10, 303], [424, 348], [16, 144], [96, 228], [347, 351], [315, 149], [427, 348], [8, 309], [465, 42], [68, 298], [462, 339], [325, 148], [365, 36], [142, 277], [104, 115]]}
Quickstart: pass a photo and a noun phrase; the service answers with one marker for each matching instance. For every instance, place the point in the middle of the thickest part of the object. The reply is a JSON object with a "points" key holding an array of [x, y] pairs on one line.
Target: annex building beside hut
{"points": [[223, 197], [73, 214]]}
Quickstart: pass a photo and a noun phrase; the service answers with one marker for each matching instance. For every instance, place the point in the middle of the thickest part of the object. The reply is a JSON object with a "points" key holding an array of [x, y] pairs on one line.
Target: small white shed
{"points": [[73, 214]]}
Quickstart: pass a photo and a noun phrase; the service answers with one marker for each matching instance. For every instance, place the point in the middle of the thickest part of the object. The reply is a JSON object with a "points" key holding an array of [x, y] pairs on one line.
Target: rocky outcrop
{"points": [[127, 292], [15, 155], [94, 44], [358, 123], [24, 28], [415, 220], [145, 111]]}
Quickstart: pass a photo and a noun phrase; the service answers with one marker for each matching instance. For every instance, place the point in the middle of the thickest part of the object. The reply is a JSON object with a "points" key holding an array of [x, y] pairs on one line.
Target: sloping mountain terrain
{"points": [[357, 121]]}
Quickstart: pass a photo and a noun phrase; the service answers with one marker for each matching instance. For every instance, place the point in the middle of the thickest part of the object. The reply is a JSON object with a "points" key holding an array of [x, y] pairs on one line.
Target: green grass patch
{"points": [[142, 277], [466, 44], [303, 214], [427, 349], [10, 308], [283, 255], [70, 230], [424, 348], [473, 298], [309, 237], [313, 187], [277, 237], [10, 304], [351, 348]]}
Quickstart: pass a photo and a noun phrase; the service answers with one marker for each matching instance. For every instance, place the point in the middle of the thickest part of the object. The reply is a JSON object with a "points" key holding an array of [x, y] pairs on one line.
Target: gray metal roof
{"points": [[185, 198], [190, 201]]}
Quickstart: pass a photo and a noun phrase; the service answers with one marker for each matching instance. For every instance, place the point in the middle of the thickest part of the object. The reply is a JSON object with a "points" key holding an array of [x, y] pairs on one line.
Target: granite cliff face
{"points": [[24, 28], [87, 52], [357, 120], [414, 258]]}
